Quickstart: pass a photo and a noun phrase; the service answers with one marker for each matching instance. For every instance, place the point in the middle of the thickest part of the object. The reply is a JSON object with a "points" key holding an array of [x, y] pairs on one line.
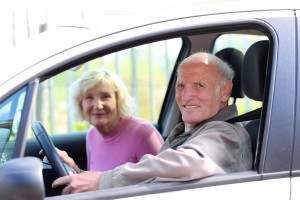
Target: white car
{"points": [[259, 39]]}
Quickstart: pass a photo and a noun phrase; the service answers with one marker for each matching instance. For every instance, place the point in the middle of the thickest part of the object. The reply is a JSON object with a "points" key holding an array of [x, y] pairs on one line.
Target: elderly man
{"points": [[202, 145]]}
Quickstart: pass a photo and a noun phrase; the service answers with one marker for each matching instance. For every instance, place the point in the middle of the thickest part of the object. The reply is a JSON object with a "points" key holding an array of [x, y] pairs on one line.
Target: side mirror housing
{"points": [[22, 178]]}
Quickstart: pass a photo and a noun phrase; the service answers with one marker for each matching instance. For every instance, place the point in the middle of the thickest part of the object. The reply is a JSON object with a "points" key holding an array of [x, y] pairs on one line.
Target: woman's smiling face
{"points": [[99, 106]]}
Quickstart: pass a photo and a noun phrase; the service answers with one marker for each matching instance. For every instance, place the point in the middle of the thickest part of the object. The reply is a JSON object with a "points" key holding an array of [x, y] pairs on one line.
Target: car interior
{"points": [[246, 50]]}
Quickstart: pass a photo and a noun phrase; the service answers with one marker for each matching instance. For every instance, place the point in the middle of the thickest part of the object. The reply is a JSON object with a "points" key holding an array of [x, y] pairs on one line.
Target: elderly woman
{"points": [[116, 136]]}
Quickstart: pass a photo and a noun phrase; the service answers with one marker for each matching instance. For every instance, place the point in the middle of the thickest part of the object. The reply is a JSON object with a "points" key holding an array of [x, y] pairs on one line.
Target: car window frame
{"points": [[135, 42], [272, 159], [25, 119]]}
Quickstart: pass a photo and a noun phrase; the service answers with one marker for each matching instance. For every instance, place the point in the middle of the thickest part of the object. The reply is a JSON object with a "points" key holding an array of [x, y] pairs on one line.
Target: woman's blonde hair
{"points": [[94, 78]]}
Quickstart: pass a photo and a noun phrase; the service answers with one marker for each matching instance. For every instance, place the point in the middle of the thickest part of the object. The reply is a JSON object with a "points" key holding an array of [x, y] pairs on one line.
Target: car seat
{"points": [[254, 76], [235, 59], [253, 80]]}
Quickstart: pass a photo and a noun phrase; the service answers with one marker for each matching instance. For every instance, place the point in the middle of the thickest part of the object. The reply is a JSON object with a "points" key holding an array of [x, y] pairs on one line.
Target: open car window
{"points": [[145, 70]]}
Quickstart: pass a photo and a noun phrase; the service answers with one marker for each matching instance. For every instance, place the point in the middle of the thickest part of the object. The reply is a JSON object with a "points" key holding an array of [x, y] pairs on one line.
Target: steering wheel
{"points": [[49, 149]]}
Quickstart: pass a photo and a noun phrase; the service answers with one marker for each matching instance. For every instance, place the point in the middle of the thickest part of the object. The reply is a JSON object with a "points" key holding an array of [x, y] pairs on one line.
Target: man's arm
{"points": [[169, 165], [192, 160], [211, 150]]}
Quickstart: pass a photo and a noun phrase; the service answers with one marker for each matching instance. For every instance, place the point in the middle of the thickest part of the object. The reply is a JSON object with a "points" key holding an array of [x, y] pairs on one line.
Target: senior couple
{"points": [[202, 145]]}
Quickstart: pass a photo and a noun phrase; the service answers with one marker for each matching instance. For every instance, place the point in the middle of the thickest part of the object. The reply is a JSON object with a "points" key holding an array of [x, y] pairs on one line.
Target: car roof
{"points": [[110, 21]]}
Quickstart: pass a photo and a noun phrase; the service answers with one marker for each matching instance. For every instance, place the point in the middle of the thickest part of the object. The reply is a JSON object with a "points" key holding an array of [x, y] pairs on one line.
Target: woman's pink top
{"points": [[128, 142]]}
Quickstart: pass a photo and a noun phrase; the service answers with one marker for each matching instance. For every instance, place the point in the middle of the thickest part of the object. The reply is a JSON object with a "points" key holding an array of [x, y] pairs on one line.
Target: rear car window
{"points": [[240, 42]]}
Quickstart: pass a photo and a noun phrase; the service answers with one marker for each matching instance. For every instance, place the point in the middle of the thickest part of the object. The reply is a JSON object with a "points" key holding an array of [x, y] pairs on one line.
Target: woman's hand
{"points": [[65, 158]]}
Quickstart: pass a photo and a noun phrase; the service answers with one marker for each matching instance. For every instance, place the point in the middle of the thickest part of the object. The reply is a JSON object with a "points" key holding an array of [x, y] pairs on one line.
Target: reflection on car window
{"points": [[240, 42], [145, 69], [10, 114]]}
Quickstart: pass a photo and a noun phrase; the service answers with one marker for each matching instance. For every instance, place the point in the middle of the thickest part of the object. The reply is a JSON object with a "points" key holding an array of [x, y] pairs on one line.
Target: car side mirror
{"points": [[22, 178]]}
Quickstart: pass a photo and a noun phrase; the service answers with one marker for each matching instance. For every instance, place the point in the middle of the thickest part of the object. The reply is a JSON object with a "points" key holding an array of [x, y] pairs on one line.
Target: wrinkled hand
{"points": [[66, 159], [75, 183]]}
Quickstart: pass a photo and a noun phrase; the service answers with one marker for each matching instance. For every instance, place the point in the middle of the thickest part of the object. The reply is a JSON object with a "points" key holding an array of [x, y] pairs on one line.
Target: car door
{"points": [[273, 154]]}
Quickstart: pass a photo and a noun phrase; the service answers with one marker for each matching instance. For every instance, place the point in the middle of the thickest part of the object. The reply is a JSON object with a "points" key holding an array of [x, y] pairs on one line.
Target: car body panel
{"points": [[295, 180], [274, 125], [295, 194], [206, 188], [259, 190]]}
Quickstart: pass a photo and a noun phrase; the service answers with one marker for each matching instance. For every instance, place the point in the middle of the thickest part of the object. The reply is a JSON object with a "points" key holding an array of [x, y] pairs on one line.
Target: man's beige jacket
{"points": [[212, 147]]}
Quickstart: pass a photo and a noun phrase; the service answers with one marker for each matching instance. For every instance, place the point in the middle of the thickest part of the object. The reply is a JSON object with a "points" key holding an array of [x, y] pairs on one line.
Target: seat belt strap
{"points": [[254, 114]]}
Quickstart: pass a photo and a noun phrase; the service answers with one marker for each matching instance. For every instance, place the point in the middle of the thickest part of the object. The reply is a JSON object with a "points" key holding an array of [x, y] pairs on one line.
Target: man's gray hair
{"points": [[224, 68]]}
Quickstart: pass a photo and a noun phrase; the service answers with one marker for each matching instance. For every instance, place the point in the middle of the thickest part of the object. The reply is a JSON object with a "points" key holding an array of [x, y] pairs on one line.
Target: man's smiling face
{"points": [[200, 90]]}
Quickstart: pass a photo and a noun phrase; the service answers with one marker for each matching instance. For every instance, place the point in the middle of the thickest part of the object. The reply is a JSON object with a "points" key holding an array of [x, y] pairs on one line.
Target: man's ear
{"points": [[226, 91]]}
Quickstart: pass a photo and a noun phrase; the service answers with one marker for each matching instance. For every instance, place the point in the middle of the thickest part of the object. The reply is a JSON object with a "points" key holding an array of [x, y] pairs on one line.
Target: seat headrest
{"points": [[234, 58], [254, 70]]}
